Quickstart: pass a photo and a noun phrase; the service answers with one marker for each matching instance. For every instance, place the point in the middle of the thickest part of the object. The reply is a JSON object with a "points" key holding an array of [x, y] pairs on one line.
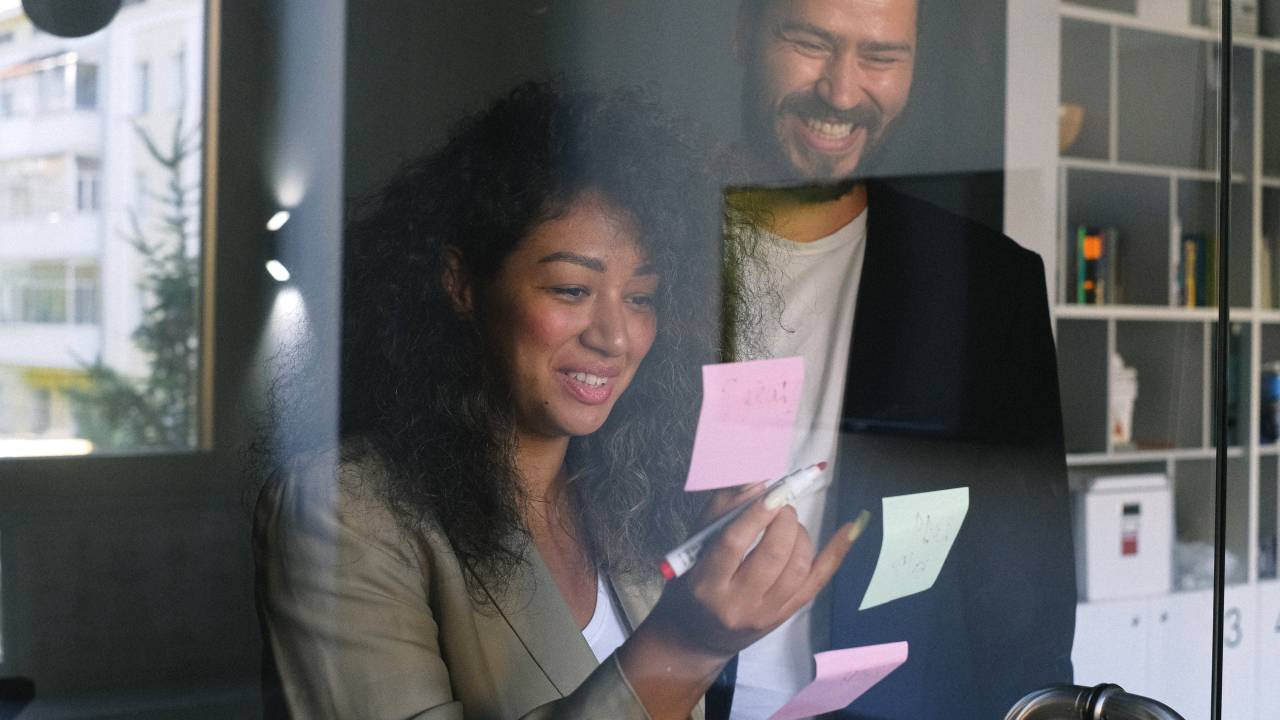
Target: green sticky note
{"points": [[919, 530]]}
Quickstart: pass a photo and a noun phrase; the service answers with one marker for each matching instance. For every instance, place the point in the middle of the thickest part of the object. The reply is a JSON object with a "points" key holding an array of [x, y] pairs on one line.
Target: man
{"points": [[929, 365]]}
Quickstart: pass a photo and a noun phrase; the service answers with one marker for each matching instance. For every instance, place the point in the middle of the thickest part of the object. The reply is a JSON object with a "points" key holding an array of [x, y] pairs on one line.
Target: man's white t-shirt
{"points": [[817, 283]]}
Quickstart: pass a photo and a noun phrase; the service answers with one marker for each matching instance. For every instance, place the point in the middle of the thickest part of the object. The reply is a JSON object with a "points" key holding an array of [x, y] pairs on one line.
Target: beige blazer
{"points": [[365, 621]]}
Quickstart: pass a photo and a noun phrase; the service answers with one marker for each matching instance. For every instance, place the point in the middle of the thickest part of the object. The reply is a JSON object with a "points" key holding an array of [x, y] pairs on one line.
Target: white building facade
{"points": [[74, 173]]}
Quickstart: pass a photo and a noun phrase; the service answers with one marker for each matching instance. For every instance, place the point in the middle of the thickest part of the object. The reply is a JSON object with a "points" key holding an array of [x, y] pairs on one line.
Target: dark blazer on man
{"points": [[952, 382]]}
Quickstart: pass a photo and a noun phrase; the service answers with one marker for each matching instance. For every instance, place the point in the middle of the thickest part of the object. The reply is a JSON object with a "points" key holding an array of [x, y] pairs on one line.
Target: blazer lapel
{"points": [[637, 594], [536, 612]]}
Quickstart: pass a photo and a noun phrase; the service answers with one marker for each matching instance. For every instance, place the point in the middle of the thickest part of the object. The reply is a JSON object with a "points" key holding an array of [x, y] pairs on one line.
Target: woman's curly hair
{"points": [[421, 388]]}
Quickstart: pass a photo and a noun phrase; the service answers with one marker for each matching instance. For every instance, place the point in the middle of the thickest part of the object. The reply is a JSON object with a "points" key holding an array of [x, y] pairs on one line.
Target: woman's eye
{"points": [[641, 300]]}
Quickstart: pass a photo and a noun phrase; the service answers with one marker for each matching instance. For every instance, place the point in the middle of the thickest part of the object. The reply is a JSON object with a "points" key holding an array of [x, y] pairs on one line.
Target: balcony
{"points": [[75, 235], [63, 346], [78, 131]]}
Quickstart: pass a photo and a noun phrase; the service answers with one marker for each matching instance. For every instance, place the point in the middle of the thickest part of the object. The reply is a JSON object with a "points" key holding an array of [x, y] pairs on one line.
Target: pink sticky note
{"points": [[842, 677], [745, 426]]}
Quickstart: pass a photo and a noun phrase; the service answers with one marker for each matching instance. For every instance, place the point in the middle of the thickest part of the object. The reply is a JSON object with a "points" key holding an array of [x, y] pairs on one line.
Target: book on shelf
{"points": [[1197, 270], [1096, 266]]}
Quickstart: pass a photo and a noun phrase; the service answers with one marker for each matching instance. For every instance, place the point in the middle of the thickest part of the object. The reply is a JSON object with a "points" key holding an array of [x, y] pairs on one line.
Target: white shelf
{"points": [[1194, 32], [1128, 168], [1141, 456], [1067, 311]]}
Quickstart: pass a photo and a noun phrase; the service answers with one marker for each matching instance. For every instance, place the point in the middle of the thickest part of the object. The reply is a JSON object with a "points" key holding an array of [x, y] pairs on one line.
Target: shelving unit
{"points": [[1145, 164]]}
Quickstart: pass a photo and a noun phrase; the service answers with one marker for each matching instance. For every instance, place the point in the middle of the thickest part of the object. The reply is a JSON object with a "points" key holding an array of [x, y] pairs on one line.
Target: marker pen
{"points": [[779, 492]]}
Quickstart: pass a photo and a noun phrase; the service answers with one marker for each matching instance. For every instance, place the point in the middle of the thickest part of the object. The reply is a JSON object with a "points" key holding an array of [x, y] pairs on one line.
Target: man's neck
{"points": [[804, 215]]}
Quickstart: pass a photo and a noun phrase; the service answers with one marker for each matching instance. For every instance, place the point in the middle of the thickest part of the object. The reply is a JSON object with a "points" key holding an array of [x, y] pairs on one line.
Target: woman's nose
{"points": [[607, 332]]}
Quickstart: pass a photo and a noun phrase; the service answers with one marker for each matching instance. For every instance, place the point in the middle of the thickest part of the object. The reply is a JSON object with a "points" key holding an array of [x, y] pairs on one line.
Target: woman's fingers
{"points": [[726, 553], [826, 563], [722, 501], [768, 559], [794, 574]]}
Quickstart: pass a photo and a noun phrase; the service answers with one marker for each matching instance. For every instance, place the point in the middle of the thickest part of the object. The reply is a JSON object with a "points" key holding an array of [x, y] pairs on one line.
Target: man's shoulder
{"points": [[913, 219]]}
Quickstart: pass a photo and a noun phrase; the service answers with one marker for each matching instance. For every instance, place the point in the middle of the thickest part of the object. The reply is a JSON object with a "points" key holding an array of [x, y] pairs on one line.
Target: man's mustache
{"points": [[809, 105]]}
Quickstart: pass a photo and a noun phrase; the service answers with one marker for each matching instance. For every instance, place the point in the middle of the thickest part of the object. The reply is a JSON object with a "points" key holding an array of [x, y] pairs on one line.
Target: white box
{"points": [[1124, 537]]}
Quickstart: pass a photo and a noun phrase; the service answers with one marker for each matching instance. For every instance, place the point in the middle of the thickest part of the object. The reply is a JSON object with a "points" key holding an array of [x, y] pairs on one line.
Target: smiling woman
{"points": [[526, 313]]}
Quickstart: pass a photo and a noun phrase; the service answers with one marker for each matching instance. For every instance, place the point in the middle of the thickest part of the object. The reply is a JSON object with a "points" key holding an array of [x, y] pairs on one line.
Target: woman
{"points": [[523, 326]]}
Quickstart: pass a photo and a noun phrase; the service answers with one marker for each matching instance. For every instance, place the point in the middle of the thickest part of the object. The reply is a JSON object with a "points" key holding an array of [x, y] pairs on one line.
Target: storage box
{"points": [[1124, 537]]}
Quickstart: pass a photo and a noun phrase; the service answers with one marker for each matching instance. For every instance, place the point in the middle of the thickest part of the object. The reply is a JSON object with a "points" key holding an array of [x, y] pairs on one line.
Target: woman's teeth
{"points": [[588, 379], [835, 131]]}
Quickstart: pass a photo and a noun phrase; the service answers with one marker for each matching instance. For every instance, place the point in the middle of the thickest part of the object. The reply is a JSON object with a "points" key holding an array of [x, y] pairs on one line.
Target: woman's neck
{"points": [[540, 466], [553, 526]]}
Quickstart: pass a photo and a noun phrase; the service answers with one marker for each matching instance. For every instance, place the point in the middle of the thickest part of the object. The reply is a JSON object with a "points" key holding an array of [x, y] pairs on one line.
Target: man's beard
{"points": [[770, 163]]}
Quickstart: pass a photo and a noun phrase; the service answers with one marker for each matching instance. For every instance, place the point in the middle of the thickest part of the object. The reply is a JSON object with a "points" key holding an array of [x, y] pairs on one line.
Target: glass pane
{"points": [[100, 251]]}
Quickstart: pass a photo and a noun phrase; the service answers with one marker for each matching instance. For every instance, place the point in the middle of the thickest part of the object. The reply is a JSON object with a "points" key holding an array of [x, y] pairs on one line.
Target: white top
{"points": [[818, 284], [606, 630]]}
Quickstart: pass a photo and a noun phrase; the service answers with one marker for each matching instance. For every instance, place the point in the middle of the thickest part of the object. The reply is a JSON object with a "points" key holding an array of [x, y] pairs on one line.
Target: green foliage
{"points": [[155, 412]]}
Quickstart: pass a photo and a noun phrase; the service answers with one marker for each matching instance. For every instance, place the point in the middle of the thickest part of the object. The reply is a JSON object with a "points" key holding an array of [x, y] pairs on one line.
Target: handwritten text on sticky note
{"points": [[843, 676], [745, 426], [918, 532]]}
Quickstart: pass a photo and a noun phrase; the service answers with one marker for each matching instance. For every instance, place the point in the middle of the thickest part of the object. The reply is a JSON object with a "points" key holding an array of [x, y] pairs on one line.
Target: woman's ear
{"points": [[457, 282]]}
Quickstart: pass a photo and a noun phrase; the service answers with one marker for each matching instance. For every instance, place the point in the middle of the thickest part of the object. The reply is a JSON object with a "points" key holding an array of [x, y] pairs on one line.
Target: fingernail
{"points": [[775, 499], [859, 525]]}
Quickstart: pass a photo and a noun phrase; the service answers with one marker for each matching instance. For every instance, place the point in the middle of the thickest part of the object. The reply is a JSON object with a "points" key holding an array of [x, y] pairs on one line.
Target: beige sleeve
{"points": [[343, 606]]}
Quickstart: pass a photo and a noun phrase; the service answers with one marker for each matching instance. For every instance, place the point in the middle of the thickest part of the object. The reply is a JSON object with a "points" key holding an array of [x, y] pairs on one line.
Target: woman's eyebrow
{"points": [[587, 262]]}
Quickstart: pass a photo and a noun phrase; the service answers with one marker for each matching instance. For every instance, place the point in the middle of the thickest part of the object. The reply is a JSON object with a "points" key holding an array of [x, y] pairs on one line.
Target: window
{"points": [[140, 199], [64, 310], [33, 188], [41, 410], [144, 88], [86, 86], [87, 171], [178, 85], [41, 291], [51, 89], [85, 295], [8, 90]]}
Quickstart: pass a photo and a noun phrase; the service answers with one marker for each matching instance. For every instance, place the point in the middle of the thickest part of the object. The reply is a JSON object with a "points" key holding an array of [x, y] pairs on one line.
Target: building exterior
{"points": [[75, 176]]}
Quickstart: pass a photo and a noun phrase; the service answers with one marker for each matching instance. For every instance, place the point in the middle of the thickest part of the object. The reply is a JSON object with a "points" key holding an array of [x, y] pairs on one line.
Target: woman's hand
{"points": [[734, 595]]}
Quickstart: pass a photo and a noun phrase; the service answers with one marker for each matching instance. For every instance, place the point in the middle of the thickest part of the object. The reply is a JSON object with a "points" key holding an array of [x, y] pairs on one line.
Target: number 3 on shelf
{"points": [[1232, 621]]}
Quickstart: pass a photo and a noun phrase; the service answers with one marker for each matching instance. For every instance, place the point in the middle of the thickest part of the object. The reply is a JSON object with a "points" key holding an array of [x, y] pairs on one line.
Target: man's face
{"points": [[824, 80]]}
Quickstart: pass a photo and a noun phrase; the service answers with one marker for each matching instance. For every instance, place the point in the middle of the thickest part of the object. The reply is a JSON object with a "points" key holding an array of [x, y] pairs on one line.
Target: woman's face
{"points": [[571, 314]]}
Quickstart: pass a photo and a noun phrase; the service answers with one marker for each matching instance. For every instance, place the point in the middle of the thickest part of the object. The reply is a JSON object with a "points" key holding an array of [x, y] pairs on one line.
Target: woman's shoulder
{"points": [[339, 496]]}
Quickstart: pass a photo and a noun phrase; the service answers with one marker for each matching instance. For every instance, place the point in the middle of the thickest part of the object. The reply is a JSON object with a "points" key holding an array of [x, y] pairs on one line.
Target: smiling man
{"points": [[824, 81], [929, 365]]}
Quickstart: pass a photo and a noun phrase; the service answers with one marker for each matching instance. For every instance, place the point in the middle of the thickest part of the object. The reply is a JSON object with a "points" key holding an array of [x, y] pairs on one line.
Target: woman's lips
{"points": [[589, 390]]}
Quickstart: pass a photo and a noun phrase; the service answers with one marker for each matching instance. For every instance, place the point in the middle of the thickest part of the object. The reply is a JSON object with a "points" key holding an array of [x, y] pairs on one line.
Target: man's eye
{"points": [[570, 292], [881, 60], [642, 300], [809, 46]]}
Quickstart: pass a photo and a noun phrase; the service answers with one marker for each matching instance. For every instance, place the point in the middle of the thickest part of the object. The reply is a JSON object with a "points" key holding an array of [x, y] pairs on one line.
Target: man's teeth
{"points": [[835, 131], [589, 379]]}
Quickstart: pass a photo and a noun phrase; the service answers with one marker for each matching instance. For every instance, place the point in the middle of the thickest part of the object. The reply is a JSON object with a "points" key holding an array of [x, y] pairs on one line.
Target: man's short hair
{"points": [[755, 7]]}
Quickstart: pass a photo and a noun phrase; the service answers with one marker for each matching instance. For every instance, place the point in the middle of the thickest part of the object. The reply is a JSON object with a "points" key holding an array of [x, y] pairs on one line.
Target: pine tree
{"points": [[155, 412]]}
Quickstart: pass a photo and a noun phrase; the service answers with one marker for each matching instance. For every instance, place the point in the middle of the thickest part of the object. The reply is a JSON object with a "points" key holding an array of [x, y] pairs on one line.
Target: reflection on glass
{"points": [[100, 172], [1140, 171]]}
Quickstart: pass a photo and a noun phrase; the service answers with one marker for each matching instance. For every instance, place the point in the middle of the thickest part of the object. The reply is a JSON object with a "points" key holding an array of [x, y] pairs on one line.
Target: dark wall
{"points": [[416, 66], [128, 582]]}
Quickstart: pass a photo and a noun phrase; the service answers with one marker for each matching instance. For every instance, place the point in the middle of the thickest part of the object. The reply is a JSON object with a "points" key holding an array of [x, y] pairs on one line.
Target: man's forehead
{"points": [[890, 12]]}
